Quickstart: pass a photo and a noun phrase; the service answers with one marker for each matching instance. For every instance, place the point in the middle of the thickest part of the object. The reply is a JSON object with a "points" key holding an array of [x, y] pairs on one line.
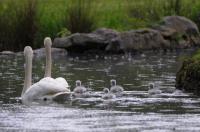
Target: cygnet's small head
{"points": [[47, 42], [28, 51], [151, 85], [106, 90], [113, 82], [78, 83]]}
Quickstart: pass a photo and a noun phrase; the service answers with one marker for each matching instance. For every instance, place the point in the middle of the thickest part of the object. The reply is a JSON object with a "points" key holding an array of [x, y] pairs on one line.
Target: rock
{"points": [[108, 34], [63, 42], [178, 28], [181, 25], [187, 78], [112, 38], [86, 39], [81, 42], [112, 41], [146, 39], [174, 32], [166, 32]]}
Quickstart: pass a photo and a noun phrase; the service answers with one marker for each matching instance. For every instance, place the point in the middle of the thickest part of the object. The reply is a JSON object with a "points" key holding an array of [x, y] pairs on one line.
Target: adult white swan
{"points": [[46, 87], [47, 45]]}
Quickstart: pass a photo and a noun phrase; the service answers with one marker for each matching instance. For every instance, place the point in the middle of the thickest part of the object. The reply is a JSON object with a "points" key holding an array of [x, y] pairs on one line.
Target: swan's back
{"points": [[63, 82], [45, 87]]}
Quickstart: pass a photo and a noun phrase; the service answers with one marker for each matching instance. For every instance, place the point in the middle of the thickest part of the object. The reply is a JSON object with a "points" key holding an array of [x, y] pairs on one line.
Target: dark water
{"points": [[136, 110]]}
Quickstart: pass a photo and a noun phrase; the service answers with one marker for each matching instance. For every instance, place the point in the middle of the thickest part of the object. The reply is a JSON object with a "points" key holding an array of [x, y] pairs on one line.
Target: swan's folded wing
{"points": [[62, 81], [50, 85], [45, 87]]}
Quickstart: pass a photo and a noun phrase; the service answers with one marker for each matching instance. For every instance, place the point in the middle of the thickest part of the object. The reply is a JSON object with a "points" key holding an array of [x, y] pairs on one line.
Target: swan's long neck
{"points": [[48, 60], [28, 71]]}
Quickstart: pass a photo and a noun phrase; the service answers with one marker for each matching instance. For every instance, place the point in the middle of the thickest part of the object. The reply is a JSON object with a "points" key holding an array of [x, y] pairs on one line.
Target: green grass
{"points": [[117, 14]]}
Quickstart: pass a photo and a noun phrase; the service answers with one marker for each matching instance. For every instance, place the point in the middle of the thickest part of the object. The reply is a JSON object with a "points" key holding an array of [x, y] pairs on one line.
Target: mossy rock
{"points": [[188, 77]]}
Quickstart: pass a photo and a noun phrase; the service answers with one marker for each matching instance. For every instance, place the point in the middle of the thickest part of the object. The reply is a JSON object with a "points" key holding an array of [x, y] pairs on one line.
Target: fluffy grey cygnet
{"points": [[153, 90], [107, 94], [79, 89], [115, 88]]}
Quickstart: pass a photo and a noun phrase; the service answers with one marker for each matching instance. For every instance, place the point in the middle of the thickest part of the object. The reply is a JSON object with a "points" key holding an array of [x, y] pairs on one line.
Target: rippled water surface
{"points": [[136, 110]]}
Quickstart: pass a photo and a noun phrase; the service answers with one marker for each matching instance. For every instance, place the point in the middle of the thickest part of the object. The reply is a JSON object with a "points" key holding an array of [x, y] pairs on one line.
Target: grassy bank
{"points": [[51, 17]]}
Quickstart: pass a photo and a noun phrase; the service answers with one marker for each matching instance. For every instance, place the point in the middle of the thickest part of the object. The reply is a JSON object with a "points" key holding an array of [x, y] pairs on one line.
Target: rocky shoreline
{"points": [[173, 32]]}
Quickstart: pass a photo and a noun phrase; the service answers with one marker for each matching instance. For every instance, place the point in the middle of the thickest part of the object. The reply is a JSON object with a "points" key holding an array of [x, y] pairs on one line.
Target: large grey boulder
{"points": [[138, 40], [108, 34], [96, 40], [179, 30], [174, 32], [180, 24], [63, 42]]}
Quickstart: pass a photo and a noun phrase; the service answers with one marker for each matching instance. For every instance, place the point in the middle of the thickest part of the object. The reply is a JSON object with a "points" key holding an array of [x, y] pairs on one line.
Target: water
{"points": [[136, 110]]}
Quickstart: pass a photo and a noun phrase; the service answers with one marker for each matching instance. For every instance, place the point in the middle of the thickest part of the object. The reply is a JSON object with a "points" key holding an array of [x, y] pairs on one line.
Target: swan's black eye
{"points": [[45, 99]]}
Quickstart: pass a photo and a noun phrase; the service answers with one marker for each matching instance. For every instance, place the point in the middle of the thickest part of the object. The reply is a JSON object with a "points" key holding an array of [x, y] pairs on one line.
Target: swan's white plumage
{"points": [[63, 82], [45, 87]]}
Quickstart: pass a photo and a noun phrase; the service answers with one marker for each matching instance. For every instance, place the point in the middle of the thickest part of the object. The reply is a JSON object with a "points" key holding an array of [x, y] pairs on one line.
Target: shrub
{"points": [[17, 28], [26, 26], [80, 17], [7, 24]]}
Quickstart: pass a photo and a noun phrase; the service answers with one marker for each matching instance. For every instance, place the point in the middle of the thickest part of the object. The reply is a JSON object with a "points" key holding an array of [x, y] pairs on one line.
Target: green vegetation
{"points": [[188, 76], [80, 17], [25, 22], [17, 24]]}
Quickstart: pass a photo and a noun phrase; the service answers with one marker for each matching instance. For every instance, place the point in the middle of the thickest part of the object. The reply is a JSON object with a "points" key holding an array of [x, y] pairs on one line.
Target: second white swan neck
{"points": [[28, 69], [48, 60]]}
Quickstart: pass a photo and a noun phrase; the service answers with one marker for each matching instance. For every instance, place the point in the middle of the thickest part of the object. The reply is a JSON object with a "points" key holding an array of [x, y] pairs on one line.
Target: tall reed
{"points": [[80, 17], [17, 24]]}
